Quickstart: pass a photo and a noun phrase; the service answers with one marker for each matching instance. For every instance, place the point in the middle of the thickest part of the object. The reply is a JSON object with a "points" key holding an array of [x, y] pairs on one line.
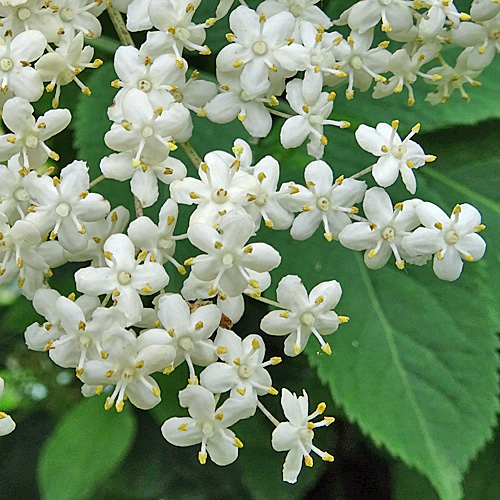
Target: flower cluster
{"points": [[126, 325]]}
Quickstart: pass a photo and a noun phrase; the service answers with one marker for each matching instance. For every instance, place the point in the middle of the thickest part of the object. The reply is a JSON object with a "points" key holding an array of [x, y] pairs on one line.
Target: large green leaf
{"points": [[87, 445], [416, 365]]}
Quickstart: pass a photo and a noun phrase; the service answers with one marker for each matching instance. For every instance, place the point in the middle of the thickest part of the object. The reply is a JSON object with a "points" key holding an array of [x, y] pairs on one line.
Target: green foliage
{"points": [[87, 445]]}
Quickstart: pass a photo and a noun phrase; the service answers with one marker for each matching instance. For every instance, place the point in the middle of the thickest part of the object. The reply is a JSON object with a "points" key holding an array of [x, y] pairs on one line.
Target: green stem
{"points": [[267, 413]]}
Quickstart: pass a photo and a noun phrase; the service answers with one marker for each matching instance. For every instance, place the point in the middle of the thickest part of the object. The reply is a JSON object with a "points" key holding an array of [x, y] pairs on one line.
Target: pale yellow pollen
{"points": [[343, 319], [198, 325], [237, 443], [308, 461], [242, 392], [296, 348], [438, 225], [272, 391], [156, 392], [255, 344], [284, 314], [221, 350], [168, 370], [182, 427]]}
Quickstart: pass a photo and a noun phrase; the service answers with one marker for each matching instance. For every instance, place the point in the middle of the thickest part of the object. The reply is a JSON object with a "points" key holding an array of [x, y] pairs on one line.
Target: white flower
{"points": [[396, 15], [453, 78], [207, 425], [266, 204], [174, 17], [228, 257], [7, 425], [405, 69], [452, 239], [322, 202], [361, 63], [41, 337], [243, 371], [188, 333], [235, 102], [255, 40], [128, 366], [222, 187], [158, 240], [28, 136], [124, 277], [313, 108], [433, 21], [61, 67], [78, 15], [62, 205], [21, 78], [305, 314], [381, 235], [483, 10], [296, 436], [395, 155]]}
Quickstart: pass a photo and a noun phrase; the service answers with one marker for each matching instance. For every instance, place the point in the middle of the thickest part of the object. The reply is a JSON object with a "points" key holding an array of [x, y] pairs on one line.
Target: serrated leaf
{"points": [[87, 445]]}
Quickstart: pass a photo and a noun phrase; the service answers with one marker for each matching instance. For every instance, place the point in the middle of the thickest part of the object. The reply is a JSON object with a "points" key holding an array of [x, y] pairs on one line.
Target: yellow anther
{"points": [[168, 370], [438, 225], [410, 164], [237, 361], [139, 364], [189, 262], [109, 373], [468, 257], [290, 40], [297, 348], [230, 37], [241, 392], [262, 18], [238, 63], [430, 158], [400, 264], [108, 404], [345, 124], [212, 290], [386, 27], [157, 324], [104, 355], [272, 391], [81, 326], [384, 44], [198, 325], [219, 416], [457, 209], [310, 426], [192, 381], [119, 406], [284, 314], [398, 206], [182, 427], [255, 344], [305, 108], [193, 195], [395, 124], [156, 392], [202, 457], [306, 208], [253, 283], [416, 128], [308, 461], [237, 443], [332, 96], [327, 457], [86, 91], [147, 289], [12, 139], [373, 225], [99, 389], [248, 249], [221, 350], [440, 256], [293, 189], [328, 237], [479, 228], [323, 139], [436, 77], [344, 319], [171, 332], [48, 347], [326, 349], [261, 176], [329, 420], [464, 17], [97, 63], [269, 223], [241, 117]]}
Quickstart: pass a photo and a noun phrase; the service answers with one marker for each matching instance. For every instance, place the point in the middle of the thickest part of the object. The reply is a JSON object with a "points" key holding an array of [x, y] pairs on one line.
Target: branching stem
{"points": [[362, 172], [191, 153], [96, 181], [266, 301], [119, 24], [267, 413]]}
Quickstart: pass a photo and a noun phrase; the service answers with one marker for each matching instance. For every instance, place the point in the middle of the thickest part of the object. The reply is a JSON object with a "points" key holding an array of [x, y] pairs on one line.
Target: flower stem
{"points": [[266, 301], [362, 172], [267, 413], [279, 113], [119, 24], [96, 181], [191, 153]]}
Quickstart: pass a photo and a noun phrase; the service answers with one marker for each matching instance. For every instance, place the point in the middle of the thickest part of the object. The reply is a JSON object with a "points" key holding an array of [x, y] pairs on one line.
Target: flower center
{"points": [[124, 278], [63, 209], [20, 194], [228, 259], [147, 131], [67, 15], [185, 343], [451, 237], [356, 62], [244, 371], [259, 48], [23, 13], [165, 244], [317, 59], [323, 203], [307, 319], [385, 2], [398, 151], [84, 341], [244, 96], [144, 85], [306, 435], [178, 96], [31, 141], [316, 120], [66, 76], [261, 199], [296, 9], [219, 196], [6, 64], [388, 233], [208, 429]]}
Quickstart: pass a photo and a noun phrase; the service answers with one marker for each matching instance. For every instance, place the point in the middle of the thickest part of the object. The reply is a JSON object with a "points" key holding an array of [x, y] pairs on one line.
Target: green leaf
{"points": [[87, 445], [416, 365], [480, 481]]}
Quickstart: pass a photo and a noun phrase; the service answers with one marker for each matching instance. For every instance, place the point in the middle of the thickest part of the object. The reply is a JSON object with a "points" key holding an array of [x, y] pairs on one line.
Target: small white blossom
{"points": [[305, 314], [296, 436], [452, 239], [7, 425], [207, 425], [395, 155]]}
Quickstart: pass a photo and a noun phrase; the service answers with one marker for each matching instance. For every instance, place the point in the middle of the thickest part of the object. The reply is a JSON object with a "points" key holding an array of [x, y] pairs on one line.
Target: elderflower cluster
{"points": [[127, 324]]}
